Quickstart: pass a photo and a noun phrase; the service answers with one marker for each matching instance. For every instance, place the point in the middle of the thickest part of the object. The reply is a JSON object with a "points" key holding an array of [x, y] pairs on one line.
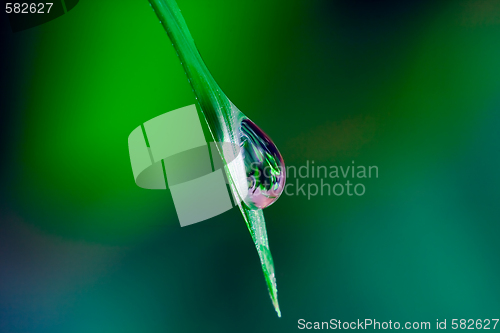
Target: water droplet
{"points": [[264, 166]]}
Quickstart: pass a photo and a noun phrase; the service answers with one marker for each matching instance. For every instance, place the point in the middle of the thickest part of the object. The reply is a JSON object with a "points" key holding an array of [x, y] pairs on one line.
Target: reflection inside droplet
{"points": [[264, 166]]}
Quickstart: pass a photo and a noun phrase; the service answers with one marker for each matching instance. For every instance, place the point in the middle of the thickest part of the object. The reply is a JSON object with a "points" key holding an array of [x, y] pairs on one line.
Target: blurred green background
{"points": [[411, 87]]}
